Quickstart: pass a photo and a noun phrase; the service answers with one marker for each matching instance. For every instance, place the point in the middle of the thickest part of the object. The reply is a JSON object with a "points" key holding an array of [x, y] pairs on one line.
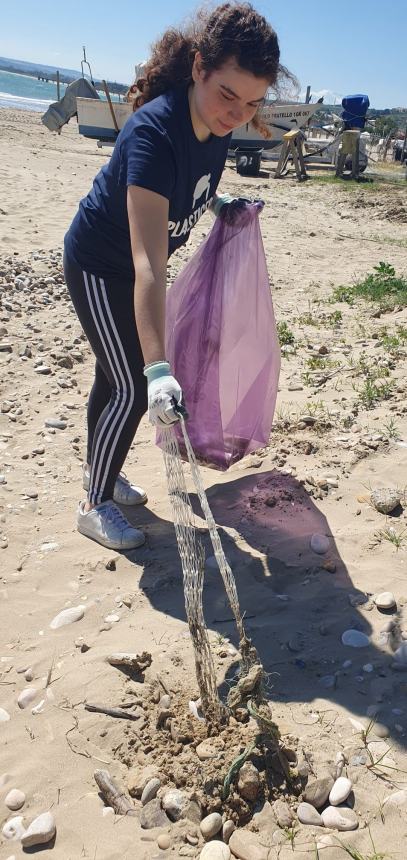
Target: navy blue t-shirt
{"points": [[157, 149]]}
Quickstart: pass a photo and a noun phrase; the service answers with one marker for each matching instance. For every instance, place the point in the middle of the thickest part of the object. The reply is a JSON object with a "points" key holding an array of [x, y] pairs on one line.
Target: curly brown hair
{"points": [[231, 30]]}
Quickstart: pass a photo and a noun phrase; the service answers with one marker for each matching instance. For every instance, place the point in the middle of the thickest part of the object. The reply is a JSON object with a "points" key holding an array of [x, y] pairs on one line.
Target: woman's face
{"points": [[226, 98]]}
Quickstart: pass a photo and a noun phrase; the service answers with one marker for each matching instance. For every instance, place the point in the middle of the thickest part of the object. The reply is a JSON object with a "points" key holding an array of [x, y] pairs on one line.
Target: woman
{"points": [[199, 85]]}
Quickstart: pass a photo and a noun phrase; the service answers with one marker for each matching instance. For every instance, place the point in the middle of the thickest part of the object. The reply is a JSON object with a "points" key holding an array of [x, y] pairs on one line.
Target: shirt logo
{"points": [[182, 228], [203, 185]]}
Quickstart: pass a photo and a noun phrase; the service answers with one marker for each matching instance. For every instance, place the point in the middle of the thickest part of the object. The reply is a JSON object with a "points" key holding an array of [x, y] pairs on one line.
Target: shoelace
{"points": [[115, 516]]}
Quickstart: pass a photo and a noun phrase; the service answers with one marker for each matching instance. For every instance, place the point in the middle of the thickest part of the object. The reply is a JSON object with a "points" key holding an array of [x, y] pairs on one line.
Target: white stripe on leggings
{"points": [[115, 417]]}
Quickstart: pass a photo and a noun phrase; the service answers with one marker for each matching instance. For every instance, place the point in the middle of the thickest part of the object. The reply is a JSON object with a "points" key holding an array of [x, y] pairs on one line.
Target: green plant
{"points": [[389, 533], [308, 318], [334, 319], [382, 286], [373, 392], [357, 855], [391, 429], [285, 335]]}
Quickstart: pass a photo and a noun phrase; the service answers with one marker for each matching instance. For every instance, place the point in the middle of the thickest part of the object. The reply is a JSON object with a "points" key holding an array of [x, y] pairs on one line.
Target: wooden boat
{"points": [[95, 121]]}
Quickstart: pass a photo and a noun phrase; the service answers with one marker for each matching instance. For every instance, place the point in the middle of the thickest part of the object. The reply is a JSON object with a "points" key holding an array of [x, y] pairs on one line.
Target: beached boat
{"points": [[95, 119]]}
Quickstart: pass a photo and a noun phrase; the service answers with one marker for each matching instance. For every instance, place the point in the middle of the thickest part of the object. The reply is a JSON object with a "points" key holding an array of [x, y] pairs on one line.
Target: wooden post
{"points": [[105, 87], [58, 92], [308, 95]]}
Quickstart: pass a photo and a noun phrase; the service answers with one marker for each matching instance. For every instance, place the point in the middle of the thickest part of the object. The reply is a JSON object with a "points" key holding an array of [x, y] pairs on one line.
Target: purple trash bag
{"points": [[222, 343]]}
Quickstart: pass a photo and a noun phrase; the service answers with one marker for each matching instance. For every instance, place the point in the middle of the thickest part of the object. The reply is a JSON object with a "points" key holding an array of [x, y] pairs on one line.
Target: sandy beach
{"points": [[333, 444]]}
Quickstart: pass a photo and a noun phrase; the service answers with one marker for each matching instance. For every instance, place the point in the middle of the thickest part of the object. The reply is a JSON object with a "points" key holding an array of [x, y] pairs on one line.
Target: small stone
{"points": [[40, 831], [56, 422], [317, 792], [400, 656], [15, 799], [4, 715], [206, 750], [319, 544], [164, 841], [246, 846], [385, 501], [152, 815], [43, 369], [399, 798], [283, 813], [228, 828], [307, 814], [355, 639], [14, 828], [340, 791], [150, 791], [215, 851], [385, 600], [112, 618], [210, 825], [175, 803], [67, 616], [137, 779], [249, 782], [339, 818], [339, 764], [380, 730], [26, 697]]}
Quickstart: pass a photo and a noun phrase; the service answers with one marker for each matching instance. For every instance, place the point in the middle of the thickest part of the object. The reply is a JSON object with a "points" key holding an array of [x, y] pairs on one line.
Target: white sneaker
{"points": [[124, 492], [106, 525]]}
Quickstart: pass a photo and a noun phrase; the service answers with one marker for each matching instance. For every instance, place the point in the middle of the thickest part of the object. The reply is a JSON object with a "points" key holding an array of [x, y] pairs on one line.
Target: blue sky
{"points": [[337, 47]]}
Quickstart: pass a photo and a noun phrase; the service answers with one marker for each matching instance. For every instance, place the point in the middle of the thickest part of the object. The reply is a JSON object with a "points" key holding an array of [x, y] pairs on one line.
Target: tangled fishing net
{"points": [[249, 691]]}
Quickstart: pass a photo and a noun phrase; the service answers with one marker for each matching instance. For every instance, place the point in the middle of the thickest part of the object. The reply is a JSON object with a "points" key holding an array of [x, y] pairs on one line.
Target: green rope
{"points": [[236, 765]]}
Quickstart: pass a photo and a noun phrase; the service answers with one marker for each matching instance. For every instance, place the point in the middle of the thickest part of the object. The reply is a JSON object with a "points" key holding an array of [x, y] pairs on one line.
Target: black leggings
{"points": [[118, 398]]}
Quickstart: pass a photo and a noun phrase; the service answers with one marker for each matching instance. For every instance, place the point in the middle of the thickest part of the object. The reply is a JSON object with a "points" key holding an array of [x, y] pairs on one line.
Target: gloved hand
{"points": [[228, 207], [164, 394]]}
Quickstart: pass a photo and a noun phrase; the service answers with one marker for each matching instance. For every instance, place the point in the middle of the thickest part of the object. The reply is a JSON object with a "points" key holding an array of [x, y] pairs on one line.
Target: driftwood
{"points": [[111, 712], [137, 662], [112, 795]]}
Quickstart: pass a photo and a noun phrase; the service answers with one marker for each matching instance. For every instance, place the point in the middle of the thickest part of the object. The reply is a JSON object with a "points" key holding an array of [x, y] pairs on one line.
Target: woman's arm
{"points": [[148, 220]]}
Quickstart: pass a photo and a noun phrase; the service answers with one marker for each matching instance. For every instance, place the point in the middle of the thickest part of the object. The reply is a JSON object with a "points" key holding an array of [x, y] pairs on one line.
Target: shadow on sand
{"points": [[296, 603]]}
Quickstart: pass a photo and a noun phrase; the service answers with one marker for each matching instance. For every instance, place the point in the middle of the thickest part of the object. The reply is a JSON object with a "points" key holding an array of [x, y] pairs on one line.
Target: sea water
{"points": [[26, 93]]}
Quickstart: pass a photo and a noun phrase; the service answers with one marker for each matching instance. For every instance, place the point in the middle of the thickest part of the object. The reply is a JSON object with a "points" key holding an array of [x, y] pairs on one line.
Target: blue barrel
{"points": [[354, 110]]}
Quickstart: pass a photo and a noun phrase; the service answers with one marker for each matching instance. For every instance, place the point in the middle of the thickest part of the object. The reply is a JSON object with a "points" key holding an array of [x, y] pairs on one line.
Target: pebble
{"points": [[56, 422], [307, 814], [246, 846], [4, 715], [112, 618], [340, 791], [14, 828], [137, 779], [206, 750], [319, 544], [150, 791], [339, 818], [215, 851], [67, 616], [400, 656], [249, 782], [385, 501], [399, 798], [164, 841], [283, 813], [210, 825], [175, 803], [228, 828], [317, 792], [355, 639], [385, 600], [26, 697], [15, 799], [40, 831], [152, 815]]}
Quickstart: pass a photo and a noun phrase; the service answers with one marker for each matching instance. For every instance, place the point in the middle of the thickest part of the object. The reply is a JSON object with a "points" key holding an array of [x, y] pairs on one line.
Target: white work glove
{"points": [[164, 394]]}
